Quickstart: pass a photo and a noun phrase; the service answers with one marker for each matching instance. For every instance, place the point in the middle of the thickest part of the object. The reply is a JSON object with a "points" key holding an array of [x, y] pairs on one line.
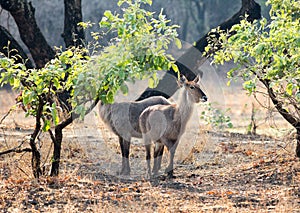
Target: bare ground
{"points": [[222, 171]]}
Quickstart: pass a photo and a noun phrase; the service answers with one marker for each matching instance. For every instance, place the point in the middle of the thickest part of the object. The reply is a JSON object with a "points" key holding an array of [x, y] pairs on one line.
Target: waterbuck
{"points": [[165, 124], [123, 120]]}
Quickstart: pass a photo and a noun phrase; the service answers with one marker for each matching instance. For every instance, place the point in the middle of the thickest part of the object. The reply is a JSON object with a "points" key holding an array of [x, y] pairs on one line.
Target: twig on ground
{"points": [[7, 114], [16, 149]]}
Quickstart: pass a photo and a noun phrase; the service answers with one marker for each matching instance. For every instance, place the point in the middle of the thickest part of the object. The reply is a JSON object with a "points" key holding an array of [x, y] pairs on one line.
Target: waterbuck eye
{"points": [[192, 87]]}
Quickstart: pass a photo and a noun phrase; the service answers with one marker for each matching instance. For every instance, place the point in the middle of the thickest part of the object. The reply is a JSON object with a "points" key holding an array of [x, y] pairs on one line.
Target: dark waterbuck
{"points": [[123, 120]]}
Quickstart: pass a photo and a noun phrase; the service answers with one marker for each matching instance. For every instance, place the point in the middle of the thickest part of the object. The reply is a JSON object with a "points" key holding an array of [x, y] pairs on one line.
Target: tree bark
{"points": [[73, 34], [31, 35], [57, 140], [6, 38], [190, 61], [36, 155], [279, 105]]}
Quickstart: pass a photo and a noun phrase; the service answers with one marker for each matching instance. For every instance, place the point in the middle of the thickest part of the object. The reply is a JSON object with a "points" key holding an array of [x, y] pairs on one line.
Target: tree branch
{"points": [[7, 38], [279, 105], [15, 150], [74, 116], [31, 35], [190, 61]]}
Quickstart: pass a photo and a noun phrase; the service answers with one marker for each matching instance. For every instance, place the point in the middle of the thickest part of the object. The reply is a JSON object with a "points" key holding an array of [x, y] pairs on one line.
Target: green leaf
{"points": [[16, 83], [228, 83], [56, 83], [148, 2], [250, 86], [54, 114], [230, 125], [110, 97], [174, 67], [289, 89], [151, 83], [108, 14], [124, 89], [178, 43], [67, 53], [46, 126]]}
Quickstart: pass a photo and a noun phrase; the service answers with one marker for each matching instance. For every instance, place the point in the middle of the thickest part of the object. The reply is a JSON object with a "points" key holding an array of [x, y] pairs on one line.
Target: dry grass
{"points": [[215, 171]]}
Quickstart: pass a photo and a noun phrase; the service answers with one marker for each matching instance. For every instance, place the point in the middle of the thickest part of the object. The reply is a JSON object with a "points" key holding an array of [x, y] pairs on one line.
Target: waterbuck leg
{"points": [[125, 148], [147, 143], [148, 158], [158, 152], [172, 149]]}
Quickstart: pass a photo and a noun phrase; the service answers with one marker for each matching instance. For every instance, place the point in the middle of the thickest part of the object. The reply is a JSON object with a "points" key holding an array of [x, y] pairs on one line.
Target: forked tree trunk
{"points": [[23, 14]]}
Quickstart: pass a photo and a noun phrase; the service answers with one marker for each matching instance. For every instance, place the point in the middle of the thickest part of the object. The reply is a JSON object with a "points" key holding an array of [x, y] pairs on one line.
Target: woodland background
{"points": [[196, 17]]}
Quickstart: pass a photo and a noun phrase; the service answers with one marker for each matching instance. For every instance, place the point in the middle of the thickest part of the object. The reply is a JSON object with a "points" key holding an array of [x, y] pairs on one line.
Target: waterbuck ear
{"points": [[182, 79], [197, 79]]}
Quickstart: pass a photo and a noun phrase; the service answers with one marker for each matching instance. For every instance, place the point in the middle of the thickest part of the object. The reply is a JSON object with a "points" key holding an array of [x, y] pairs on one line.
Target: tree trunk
{"points": [[36, 156], [6, 38], [56, 151], [73, 34], [23, 14], [284, 113], [57, 138], [190, 61], [35, 160]]}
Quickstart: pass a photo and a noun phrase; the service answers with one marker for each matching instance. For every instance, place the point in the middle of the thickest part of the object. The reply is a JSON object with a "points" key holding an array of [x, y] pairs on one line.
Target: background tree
{"points": [[201, 15], [268, 53], [24, 15]]}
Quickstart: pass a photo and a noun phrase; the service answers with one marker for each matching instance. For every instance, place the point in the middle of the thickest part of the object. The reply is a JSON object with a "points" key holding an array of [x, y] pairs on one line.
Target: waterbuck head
{"points": [[193, 89]]}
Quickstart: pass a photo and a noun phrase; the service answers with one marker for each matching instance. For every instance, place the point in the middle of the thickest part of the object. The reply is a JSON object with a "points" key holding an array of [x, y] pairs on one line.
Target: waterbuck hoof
{"points": [[170, 175], [155, 173], [123, 172], [154, 176]]}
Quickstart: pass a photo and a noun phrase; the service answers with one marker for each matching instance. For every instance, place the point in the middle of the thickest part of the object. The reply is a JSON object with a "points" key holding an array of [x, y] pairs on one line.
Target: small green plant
{"points": [[215, 117]]}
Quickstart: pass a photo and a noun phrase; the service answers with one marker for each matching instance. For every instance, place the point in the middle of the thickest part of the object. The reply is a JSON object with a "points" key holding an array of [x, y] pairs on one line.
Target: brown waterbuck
{"points": [[165, 124], [123, 120]]}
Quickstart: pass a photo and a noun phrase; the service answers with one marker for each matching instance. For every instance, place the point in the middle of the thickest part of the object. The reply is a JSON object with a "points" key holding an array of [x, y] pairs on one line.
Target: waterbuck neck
{"points": [[185, 107]]}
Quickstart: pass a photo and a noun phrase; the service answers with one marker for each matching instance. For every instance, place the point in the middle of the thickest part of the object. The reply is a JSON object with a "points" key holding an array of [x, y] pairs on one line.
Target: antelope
{"points": [[165, 124], [123, 120]]}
